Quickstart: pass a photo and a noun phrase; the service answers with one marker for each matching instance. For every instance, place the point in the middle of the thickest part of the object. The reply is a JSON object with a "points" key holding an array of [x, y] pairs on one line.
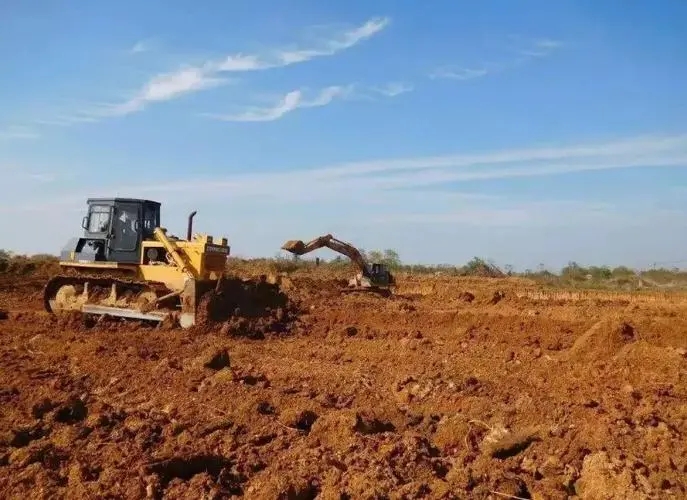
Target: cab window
{"points": [[99, 219]]}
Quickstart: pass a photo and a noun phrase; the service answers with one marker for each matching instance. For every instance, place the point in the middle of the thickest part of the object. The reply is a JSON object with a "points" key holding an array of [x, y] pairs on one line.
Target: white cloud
{"points": [[297, 99], [459, 73], [168, 86], [526, 50], [286, 57], [387, 203], [541, 48], [21, 173], [193, 78], [189, 79], [140, 46], [288, 103], [379, 179], [18, 132], [394, 88]]}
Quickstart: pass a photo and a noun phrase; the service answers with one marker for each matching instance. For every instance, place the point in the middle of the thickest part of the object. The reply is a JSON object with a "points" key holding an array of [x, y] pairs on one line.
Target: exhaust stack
{"points": [[189, 230]]}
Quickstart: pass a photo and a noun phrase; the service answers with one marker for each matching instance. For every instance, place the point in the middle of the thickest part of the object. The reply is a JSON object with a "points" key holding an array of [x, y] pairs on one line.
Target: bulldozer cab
{"points": [[117, 226]]}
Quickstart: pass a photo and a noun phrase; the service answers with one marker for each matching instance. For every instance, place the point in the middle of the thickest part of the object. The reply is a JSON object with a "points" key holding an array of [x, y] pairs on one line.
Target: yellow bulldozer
{"points": [[126, 265]]}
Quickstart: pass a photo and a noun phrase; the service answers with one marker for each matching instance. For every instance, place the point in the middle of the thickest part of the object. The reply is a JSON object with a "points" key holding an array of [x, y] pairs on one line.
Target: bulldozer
{"points": [[373, 277], [126, 265]]}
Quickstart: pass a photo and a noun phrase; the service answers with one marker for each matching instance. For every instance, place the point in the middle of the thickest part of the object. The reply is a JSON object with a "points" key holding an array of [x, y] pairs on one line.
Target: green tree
{"points": [[375, 256], [574, 271], [391, 258]]}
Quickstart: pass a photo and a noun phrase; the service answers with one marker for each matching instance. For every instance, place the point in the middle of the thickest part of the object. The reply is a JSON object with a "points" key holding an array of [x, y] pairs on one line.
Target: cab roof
{"points": [[111, 201]]}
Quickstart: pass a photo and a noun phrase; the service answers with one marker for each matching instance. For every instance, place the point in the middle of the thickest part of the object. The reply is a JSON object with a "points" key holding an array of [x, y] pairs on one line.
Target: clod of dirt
{"points": [[281, 487], [7, 394], [451, 434], [185, 468], [265, 408], [626, 332], [351, 331], [211, 358], [44, 406], [513, 487], [71, 412], [367, 424], [406, 307], [217, 360], [46, 454], [497, 297], [24, 436], [306, 420], [302, 420], [335, 430], [605, 479], [466, 296], [501, 443], [3, 314]]}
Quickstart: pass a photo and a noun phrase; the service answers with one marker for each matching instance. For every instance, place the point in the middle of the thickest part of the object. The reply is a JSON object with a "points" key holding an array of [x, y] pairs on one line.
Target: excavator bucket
{"points": [[294, 246]]}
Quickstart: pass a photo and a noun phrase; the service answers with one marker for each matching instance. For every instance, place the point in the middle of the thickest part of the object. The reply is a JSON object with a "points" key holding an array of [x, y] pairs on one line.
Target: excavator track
{"points": [[107, 294]]}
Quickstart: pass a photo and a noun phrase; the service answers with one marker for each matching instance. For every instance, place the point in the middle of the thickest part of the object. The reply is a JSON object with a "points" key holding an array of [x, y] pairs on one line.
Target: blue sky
{"points": [[527, 132]]}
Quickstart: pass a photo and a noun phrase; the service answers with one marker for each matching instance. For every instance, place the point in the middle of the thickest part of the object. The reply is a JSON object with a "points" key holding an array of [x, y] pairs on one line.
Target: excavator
{"points": [[374, 277], [126, 265]]}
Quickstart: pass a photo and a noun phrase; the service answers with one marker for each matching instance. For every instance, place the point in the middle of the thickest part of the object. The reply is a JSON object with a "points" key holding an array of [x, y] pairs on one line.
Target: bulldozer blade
{"points": [[122, 312], [189, 300], [294, 246], [194, 290]]}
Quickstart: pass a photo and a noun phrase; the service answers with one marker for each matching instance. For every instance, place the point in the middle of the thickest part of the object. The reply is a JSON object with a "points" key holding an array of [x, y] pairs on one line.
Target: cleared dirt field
{"points": [[453, 388]]}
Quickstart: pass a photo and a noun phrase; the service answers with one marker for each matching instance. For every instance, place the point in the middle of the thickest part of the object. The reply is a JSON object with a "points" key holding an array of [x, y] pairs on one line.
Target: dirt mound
{"points": [[25, 266], [248, 308], [603, 340]]}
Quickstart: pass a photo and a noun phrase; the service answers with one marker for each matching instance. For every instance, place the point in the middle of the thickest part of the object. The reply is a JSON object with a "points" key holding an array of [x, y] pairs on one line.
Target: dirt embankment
{"points": [[455, 388]]}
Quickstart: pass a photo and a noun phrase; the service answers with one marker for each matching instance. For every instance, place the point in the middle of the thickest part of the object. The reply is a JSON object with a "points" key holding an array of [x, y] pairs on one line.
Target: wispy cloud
{"points": [[17, 172], [168, 86], [304, 98], [290, 102], [367, 180], [458, 73], [524, 50], [18, 132], [536, 48], [385, 202], [394, 88], [405, 173], [189, 79], [285, 57], [141, 46]]}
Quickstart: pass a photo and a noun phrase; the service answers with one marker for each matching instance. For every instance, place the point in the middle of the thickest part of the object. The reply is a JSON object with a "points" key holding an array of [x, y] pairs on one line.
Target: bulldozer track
{"points": [[97, 280]]}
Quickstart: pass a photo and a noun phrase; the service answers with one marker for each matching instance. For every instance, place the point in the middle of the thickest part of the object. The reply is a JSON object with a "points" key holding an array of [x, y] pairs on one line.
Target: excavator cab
{"points": [[380, 275], [114, 229]]}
